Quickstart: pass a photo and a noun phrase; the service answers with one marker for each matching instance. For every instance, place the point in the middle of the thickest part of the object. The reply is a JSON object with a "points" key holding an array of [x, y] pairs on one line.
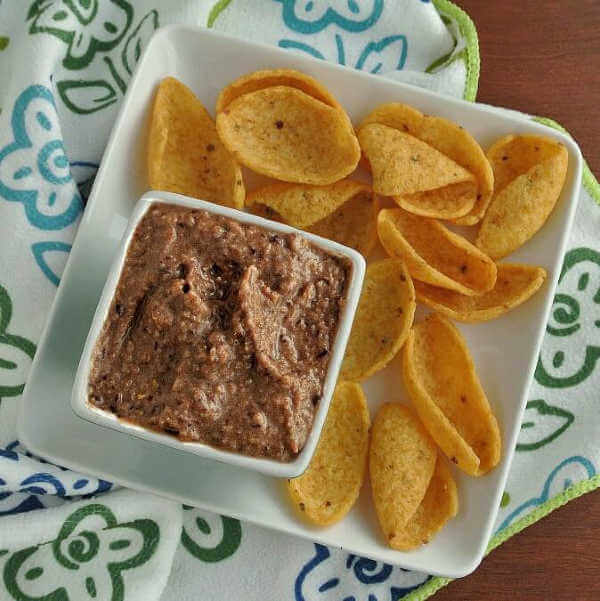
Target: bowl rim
{"points": [[79, 397]]}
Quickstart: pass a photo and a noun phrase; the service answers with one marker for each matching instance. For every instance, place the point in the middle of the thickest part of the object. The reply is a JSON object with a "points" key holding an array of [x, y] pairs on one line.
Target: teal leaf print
{"points": [[571, 348], [294, 45], [83, 559], [388, 54], [542, 424]]}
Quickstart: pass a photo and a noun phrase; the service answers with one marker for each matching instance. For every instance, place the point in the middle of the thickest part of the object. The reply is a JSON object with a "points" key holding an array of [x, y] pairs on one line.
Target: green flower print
{"points": [[572, 347], [16, 352], [100, 41], [85, 561], [82, 26], [210, 543]]}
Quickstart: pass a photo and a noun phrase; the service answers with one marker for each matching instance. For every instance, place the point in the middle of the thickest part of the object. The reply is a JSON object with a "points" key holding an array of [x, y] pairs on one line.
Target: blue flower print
{"points": [[25, 480], [565, 474], [337, 576], [34, 169], [312, 16]]}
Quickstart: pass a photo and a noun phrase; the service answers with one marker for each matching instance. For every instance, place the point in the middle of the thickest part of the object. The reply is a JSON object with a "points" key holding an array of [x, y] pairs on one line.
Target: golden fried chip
{"points": [[287, 134], [402, 164], [439, 505], [434, 254], [345, 211], [302, 205], [185, 154], [515, 284], [398, 116], [513, 155], [440, 377], [353, 224], [449, 202], [448, 138], [383, 318], [268, 78], [458, 144], [328, 489], [530, 172], [402, 459]]}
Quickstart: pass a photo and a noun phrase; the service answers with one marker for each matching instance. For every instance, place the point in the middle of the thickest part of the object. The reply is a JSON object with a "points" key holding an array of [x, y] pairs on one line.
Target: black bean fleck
{"points": [[279, 124]]}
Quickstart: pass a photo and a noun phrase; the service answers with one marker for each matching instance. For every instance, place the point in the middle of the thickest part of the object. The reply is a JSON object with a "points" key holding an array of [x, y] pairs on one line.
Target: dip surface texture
{"points": [[220, 332]]}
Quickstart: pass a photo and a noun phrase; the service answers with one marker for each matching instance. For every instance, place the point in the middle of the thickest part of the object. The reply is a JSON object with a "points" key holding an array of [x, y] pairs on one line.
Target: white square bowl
{"points": [[271, 467], [505, 350]]}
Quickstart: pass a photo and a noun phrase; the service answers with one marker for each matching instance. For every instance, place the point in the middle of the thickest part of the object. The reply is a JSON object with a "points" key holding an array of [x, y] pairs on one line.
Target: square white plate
{"points": [[505, 350]]}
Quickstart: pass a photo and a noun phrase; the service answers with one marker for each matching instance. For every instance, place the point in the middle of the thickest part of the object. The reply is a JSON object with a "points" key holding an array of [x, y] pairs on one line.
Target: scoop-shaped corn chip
{"points": [[515, 284], [449, 202], [459, 145], [353, 224], [529, 173], [439, 505], [185, 154], [448, 138], [513, 155], [268, 78], [328, 489], [398, 116], [302, 205], [287, 134], [384, 316], [402, 460], [345, 211], [434, 254], [440, 377], [402, 164]]}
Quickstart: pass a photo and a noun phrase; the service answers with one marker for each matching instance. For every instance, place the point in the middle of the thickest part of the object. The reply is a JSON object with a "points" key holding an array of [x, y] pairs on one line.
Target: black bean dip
{"points": [[220, 332]]}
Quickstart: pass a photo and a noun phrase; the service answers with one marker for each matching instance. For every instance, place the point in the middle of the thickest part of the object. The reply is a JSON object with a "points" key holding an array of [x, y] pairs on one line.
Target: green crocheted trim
{"points": [[585, 486], [471, 51], [590, 183], [215, 11]]}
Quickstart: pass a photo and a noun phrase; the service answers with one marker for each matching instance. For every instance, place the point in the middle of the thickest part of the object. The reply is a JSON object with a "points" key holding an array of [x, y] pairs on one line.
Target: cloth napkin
{"points": [[64, 67]]}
